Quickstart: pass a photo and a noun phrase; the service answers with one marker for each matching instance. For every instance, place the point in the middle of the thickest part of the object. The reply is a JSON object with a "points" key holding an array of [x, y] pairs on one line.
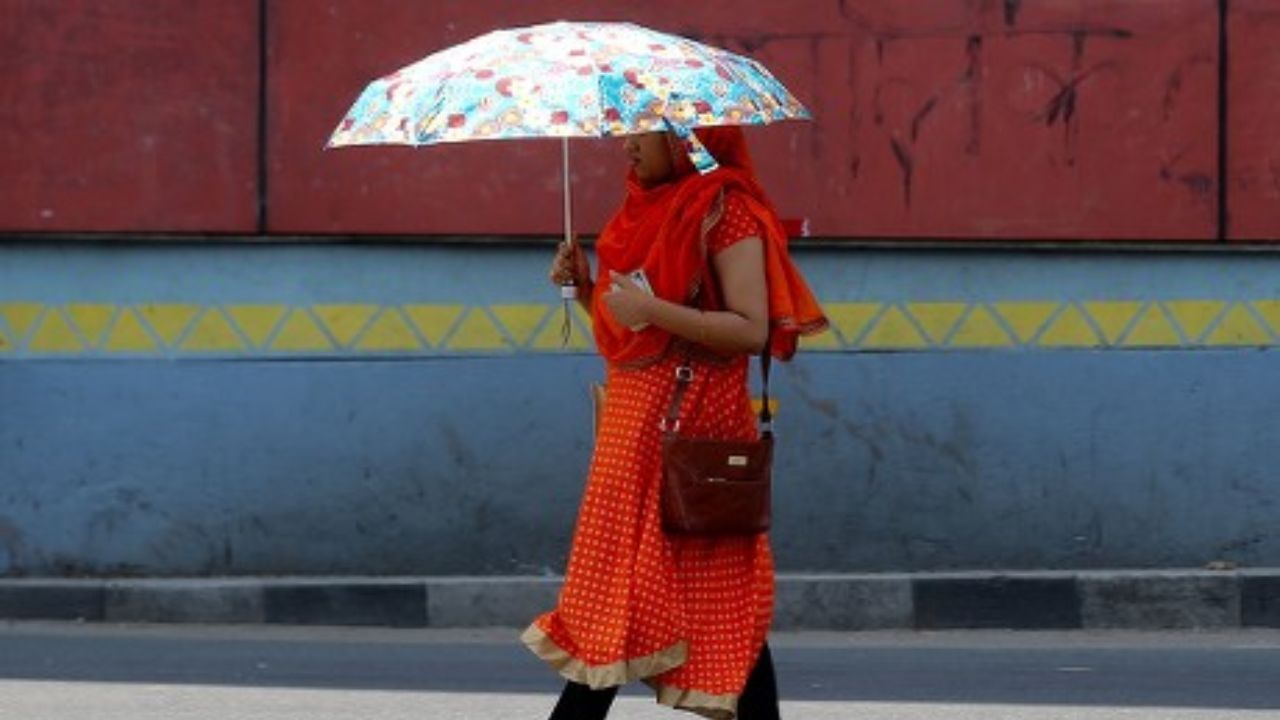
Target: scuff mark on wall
{"points": [[921, 115], [1062, 107], [851, 15], [906, 165], [1011, 10], [1177, 77], [1198, 182], [10, 547], [972, 79], [1242, 544]]}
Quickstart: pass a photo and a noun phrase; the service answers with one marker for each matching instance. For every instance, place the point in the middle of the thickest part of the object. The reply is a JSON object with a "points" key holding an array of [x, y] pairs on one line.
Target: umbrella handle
{"points": [[568, 291]]}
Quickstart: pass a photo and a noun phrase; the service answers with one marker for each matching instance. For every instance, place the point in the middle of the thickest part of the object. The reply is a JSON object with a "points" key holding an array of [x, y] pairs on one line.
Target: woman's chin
{"points": [[649, 179]]}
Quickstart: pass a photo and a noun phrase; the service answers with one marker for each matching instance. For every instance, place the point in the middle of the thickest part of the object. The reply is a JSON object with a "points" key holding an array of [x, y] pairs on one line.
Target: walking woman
{"points": [[689, 616]]}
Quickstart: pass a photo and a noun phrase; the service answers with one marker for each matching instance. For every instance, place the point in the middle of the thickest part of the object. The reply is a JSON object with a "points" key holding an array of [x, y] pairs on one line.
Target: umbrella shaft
{"points": [[568, 292], [568, 192]]}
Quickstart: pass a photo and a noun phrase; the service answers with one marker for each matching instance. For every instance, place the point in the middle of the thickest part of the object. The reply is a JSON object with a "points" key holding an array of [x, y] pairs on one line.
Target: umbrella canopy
{"points": [[568, 80]]}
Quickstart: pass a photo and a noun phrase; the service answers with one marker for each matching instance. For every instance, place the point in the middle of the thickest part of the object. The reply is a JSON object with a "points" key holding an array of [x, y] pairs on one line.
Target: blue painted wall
{"points": [[1130, 422]]}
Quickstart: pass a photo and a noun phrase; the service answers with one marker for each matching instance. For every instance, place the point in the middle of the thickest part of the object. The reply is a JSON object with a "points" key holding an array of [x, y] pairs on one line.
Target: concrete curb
{"points": [[1124, 599]]}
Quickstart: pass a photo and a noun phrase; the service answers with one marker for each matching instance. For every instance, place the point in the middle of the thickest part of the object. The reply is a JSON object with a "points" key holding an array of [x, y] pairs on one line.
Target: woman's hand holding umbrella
{"points": [[571, 267]]}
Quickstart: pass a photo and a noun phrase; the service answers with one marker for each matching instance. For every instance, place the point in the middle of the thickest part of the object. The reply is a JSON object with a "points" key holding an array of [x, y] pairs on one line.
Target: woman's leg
{"points": [[580, 702], [759, 700]]}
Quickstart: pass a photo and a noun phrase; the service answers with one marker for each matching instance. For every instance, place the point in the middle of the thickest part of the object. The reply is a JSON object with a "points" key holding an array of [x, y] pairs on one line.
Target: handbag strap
{"points": [[766, 412], [684, 379], [684, 373]]}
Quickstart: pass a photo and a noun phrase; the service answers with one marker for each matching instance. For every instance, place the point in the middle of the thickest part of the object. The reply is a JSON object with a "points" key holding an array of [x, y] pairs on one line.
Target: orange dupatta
{"points": [[662, 230]]}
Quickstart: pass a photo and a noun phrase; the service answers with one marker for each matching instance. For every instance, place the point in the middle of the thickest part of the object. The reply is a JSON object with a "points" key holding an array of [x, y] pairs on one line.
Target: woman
{"points": [[689, 616]]}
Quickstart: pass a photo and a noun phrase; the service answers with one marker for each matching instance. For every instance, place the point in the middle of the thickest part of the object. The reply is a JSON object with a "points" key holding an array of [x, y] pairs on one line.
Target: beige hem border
{"points": [[715, 707], [602, 676]]}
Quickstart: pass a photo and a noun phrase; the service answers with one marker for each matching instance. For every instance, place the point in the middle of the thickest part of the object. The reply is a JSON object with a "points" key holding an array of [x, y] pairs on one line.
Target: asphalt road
{"points": [[205, 673]]}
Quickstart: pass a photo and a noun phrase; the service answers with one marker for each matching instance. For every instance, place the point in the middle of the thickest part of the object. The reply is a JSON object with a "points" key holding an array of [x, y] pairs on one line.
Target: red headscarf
{"points": [[662, 229]]}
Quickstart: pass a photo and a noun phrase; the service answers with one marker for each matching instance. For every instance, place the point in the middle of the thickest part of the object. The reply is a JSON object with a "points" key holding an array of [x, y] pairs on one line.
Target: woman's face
{"points": [[650, 157]]}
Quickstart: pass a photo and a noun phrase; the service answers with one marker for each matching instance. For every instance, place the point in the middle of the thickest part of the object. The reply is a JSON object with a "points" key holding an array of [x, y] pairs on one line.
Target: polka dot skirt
{"points": [[634, 596]]}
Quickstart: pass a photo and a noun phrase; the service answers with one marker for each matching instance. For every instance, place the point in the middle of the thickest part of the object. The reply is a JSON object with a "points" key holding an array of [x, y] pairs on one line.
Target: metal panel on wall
{"points": [[129, 115], [1089, 119], [1253, 163]]}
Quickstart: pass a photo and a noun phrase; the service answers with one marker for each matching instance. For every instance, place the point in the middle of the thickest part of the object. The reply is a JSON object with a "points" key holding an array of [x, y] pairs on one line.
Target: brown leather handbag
{"points": [[716, 488]]}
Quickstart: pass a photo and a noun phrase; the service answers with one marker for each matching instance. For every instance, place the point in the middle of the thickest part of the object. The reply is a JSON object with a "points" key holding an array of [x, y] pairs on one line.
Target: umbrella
{"points": [[563, 80]]}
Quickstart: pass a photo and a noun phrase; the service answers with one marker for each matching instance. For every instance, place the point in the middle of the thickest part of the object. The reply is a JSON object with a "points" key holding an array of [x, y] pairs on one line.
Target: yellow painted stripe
{"points": [[390, 332], [301, 333], [256, 322], [981, 330], [344, 322], [92, 320], [129, 335], [213, 333], [520, 321], [849, 320], [434, 321], [1239, 328], [478, 331], [1026, 318], [20, 316], [1269, 310], [1112, 317], [168, 320], [1153, 329], [937, 319], [551, 337], [1070, 329], [893, 330], [1194, 316], [95, 327], [55, 335]]}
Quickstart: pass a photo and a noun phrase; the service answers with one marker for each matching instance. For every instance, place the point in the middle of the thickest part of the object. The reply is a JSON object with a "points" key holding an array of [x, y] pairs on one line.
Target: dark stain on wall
{"points": [[1011, 10]]}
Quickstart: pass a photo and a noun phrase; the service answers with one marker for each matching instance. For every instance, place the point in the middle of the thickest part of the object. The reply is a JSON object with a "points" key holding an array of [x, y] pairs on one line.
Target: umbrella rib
{"points": [[756, 94]]}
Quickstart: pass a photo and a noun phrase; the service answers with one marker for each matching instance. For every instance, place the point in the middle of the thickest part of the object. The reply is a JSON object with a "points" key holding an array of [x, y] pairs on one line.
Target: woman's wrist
{"points": [[724, 332], [649, 308]]}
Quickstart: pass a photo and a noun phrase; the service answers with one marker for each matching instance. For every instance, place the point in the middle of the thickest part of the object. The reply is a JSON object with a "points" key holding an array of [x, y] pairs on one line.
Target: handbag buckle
{"points": [[684, 373], [668, 425]]}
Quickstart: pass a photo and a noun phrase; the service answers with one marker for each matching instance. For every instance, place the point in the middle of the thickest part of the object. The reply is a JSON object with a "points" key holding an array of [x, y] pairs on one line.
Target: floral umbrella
{"points": [[565, 80]]}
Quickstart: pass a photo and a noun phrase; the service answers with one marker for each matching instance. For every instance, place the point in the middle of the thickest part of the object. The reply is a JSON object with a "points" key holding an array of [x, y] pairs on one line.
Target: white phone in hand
{"points": [[639, 278]]}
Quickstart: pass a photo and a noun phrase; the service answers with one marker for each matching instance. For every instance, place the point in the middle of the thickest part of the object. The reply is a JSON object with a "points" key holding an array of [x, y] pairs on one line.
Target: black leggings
{"points": [[759, 700]]}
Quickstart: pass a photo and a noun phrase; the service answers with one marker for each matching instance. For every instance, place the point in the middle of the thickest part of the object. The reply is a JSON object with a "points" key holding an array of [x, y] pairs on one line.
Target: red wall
{"points": [[129, 115], [1254, 137], [1059, 119]]}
